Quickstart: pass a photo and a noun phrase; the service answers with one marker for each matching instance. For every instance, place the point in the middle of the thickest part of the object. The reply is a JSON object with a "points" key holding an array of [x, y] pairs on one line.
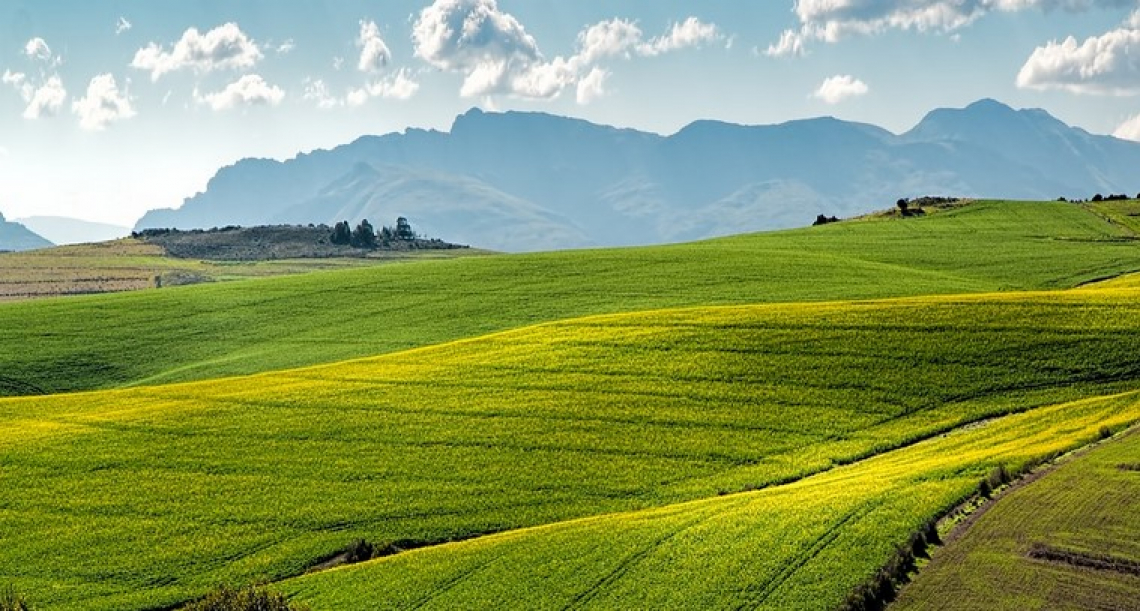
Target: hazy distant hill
{"points": [[528, 181], [64, 230], [14, 236]]}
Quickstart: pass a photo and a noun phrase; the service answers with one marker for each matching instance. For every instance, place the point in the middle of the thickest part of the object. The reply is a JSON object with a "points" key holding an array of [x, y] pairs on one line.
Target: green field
{"points": [[142, 497], [1080, 522], [202, 332], [754, 421]]}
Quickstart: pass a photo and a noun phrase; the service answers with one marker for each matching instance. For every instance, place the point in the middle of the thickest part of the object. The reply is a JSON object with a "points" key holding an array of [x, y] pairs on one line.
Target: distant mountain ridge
{"points": [[14, 236], [65, 230], [532, 181]]}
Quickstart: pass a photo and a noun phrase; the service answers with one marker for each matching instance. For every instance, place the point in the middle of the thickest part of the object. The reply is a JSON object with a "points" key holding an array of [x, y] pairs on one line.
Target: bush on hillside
{"points": [[249, 598], [10, 600]]}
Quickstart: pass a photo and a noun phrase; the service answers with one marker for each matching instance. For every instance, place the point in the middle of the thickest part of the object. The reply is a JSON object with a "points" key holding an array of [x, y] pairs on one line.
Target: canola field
{"points": [[182, 334], [143, 497]]}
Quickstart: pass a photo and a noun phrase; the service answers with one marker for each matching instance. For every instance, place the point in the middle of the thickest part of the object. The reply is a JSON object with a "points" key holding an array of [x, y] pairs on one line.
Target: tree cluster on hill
{"points": [[365, 236], [822, 219]]}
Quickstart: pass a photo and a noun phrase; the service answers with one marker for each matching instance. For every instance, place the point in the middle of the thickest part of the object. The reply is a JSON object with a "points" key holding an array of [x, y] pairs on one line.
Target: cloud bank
{"points": [[1101, 65], [224, 47]]}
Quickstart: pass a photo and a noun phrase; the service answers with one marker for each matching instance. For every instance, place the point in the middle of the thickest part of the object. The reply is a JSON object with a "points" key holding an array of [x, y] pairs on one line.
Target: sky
{"points": [[112, 108]]}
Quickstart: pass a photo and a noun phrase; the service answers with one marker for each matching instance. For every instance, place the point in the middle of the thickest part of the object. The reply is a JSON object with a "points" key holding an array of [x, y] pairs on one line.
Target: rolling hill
{"points": [[138, 498], [237, 328], [755, 421], [530, 181]]}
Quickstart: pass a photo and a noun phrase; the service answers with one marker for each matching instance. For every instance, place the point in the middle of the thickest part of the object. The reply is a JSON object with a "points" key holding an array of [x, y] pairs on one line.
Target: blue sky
{"points": [[111, 108]]}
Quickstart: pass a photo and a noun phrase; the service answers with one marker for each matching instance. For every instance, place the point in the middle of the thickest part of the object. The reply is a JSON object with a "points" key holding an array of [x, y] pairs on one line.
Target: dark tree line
{"points": [[365, 236]]}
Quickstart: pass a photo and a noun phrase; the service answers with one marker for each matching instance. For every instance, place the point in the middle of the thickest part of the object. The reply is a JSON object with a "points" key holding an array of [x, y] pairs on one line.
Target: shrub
{"points": [[10, 600], [249, 598]]}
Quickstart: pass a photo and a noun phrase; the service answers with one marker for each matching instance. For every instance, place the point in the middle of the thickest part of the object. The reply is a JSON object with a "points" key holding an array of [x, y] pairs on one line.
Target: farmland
{"points": [[132, 265], [1066, 541], [142, 497], [195, 333], [755, 421]]}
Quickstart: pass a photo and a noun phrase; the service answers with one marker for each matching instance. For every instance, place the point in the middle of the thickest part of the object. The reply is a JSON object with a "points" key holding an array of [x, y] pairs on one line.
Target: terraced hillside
{"points": [[183, 334], [1065, 541], [143, 497]]}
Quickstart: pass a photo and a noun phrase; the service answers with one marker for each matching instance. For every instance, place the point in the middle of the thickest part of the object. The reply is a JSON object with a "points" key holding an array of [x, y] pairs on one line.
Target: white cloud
{"points": [[833, 20], [317, 91], [43, 101], [338, 63], [46, 100], [249, 90], [1129, 130], [399, 86], [1106, 64], [592, 86], [286, 47], [37, 48], [608, 39], [122, 26], [104, 104], [840, 87], [691, 32], [224, 47], [496, 56], [374, 54]]}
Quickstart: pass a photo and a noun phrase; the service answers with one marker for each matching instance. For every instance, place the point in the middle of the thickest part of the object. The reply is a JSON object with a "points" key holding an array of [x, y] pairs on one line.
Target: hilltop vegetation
{"points": [[160, 336], [143, 497]]}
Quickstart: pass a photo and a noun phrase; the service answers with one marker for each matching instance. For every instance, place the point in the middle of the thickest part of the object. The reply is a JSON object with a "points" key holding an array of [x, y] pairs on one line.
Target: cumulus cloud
{"points": [[286, 47], [224, 47], [374, 54], [249, 90], [46, 100], [496, 55], [833, 20], [1129, 130], [104, 104], [1107, 64], [592, 86], [399, 86], [840, 87], [122, 25]]}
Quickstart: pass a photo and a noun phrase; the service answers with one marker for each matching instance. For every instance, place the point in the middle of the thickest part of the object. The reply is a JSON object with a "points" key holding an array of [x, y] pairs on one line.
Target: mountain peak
{"points": [[988, 105]]}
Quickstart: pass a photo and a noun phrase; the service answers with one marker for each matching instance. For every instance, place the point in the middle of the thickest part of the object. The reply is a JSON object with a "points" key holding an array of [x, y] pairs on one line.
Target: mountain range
{"points": [[65, 230], [14, 236], [519, 181]]}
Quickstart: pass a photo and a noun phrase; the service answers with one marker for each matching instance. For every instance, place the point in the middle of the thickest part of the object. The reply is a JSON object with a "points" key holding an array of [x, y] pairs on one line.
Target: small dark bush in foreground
{"points": [[10, 600], [249, 598]]}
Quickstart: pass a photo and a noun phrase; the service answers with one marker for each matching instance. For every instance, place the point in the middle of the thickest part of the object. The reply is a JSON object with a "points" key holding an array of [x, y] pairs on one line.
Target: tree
{"points": [[341, 233], [364, 236], [903, 205], [404, 229], [1098, 198]]}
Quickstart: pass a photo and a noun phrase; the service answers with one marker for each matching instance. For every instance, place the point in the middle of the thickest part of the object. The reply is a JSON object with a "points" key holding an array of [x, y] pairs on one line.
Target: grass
{"points": [[146, 497], [202, 332], [798, 546], [1083, 516]]}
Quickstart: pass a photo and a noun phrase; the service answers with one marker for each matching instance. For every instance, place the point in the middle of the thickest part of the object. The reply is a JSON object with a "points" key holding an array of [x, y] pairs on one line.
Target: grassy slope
{"points": [[1090, 505], [132, 498], [799, 546], [201, 332]]}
